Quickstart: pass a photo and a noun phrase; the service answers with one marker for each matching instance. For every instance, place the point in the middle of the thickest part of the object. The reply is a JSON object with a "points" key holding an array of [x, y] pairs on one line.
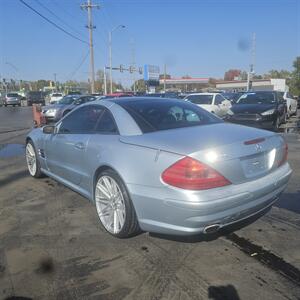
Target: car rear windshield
{"points": [[56, 95], [257, 98], [12, 95], [162, 114], [200, 99]]}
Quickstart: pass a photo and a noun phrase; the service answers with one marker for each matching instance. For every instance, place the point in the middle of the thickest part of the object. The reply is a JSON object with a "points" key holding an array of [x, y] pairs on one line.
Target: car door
{"points": [[106, 133], [217, 105], [65, 150]]}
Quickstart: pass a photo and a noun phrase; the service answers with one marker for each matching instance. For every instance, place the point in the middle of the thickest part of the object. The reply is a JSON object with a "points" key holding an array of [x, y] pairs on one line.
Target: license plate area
{"points": [[255, 165]]}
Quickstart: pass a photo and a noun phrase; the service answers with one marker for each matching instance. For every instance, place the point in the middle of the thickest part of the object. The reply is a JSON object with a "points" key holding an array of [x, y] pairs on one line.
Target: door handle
{"points": [[79, 146]]}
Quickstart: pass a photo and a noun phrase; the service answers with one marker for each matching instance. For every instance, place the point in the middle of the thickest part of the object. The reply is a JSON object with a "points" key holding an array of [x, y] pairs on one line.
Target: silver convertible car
{"points": [[161, 165]]}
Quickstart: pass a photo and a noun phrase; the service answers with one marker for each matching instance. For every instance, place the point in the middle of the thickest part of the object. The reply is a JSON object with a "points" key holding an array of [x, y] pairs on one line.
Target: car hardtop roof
{"points": [[205, 93], [141, 98]]}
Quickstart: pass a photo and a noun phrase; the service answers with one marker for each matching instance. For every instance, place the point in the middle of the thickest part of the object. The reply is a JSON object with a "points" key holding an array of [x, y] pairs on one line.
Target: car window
{"points": [[82, 120], [164, 114], [12, 95], [200, 99], [257, 98], [106, 124], [280, 96], [219, 99]]}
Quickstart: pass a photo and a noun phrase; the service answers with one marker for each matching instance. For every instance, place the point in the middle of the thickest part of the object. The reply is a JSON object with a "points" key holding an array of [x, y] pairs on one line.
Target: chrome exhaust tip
{"points": [[212, 228]]}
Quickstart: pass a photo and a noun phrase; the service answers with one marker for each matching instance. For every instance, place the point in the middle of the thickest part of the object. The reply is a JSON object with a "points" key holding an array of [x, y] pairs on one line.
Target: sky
{"points": [[200, 38]]}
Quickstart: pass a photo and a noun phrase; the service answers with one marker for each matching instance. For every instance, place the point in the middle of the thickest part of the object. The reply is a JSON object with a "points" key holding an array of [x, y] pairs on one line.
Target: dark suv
{"points": [[35, 97], [263, 109]]}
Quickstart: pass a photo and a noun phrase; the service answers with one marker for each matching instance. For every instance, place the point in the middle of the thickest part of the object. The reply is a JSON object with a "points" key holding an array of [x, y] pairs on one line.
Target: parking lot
{"points": [[52, 245]]}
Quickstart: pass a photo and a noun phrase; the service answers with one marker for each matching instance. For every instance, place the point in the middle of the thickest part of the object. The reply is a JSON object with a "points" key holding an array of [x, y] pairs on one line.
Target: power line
{"points": [[54, 24], [55, 15], [72, 74]]}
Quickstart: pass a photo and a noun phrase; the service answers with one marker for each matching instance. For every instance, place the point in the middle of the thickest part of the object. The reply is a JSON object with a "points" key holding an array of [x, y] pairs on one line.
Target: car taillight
{"points": [[191, 174], [284, 155]]}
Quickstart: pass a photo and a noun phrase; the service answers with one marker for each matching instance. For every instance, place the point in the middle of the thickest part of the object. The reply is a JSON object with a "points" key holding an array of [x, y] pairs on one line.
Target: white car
{"points": [[291, 103], [55, 97], [212, 102]]}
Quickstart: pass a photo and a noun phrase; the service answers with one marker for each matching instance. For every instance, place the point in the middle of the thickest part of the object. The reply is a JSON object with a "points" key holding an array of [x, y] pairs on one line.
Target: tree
{"points": [[231, 74], [295, 77], [281, 74], [140, 85]]}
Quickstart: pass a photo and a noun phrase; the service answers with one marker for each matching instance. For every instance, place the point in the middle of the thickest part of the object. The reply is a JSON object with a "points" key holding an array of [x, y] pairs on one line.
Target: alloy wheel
{"points": [[31, 159], [110, 204]]}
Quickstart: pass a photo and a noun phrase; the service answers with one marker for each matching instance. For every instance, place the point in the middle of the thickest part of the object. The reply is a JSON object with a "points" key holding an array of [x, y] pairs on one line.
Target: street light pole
{"points": [[110, 54]]}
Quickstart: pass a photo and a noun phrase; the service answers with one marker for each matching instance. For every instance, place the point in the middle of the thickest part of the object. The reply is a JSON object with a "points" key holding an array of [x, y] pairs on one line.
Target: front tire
{"points": [[114, 206], [276, 124], [33, 163]]}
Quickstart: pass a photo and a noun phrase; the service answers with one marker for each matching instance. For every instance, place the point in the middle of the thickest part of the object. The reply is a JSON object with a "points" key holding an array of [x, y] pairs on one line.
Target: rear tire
{"points": [[114, 206], [32, 160]]}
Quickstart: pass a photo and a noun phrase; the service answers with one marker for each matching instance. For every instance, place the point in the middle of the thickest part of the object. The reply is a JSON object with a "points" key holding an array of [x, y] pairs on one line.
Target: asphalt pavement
{"points": [[52, 246]]}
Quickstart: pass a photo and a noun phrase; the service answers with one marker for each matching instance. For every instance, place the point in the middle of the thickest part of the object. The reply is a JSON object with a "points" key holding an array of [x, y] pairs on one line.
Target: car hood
{"points": [[251, 108], [192, 139]]}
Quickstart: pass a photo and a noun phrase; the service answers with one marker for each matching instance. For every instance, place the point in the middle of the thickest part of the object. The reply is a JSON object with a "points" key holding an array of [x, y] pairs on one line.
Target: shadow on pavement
{"points": [[227, 292], [290, 201], [13, 177]]}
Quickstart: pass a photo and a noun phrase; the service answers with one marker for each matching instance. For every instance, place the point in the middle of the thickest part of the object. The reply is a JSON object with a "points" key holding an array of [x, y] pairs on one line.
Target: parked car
{"points": [[212, 102], [161, 165], [265, 109], [54, 97], [291, 103], [55, 112], [35, 97], [233, 97], [12, 99]]}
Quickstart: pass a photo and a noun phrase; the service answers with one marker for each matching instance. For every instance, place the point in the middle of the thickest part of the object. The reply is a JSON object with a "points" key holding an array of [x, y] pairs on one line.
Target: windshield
{"points": [[12, 95], [200, 99], [257, 98], [67, 100], [160, 114]]}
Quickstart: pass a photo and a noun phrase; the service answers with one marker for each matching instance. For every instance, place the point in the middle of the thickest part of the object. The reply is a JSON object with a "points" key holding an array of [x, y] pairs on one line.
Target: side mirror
{"points": [[48, 129]]}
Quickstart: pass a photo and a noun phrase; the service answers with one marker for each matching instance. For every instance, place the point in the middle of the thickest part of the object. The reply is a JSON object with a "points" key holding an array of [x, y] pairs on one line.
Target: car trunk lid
{"points": [[238, 152]]}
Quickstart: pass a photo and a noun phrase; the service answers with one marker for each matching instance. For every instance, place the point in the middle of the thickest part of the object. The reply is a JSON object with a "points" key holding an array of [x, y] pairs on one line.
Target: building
{"points": [[185, 84], [257, 85]]}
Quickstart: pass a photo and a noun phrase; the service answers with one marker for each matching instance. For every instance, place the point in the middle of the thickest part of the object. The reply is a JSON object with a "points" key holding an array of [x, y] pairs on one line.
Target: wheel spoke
{"points": [[106, 211], [108, 185], [103, 190], [120, 217]]}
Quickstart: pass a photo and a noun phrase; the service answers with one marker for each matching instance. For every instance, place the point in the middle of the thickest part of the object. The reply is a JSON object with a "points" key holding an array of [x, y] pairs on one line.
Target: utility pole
{"points": [[89, 6], [110, 54], [104, 79], [251, 72]]}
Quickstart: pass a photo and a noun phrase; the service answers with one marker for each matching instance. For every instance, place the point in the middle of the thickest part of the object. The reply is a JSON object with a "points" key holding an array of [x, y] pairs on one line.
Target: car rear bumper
{"points": [[12, 102], [192, 211]]}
